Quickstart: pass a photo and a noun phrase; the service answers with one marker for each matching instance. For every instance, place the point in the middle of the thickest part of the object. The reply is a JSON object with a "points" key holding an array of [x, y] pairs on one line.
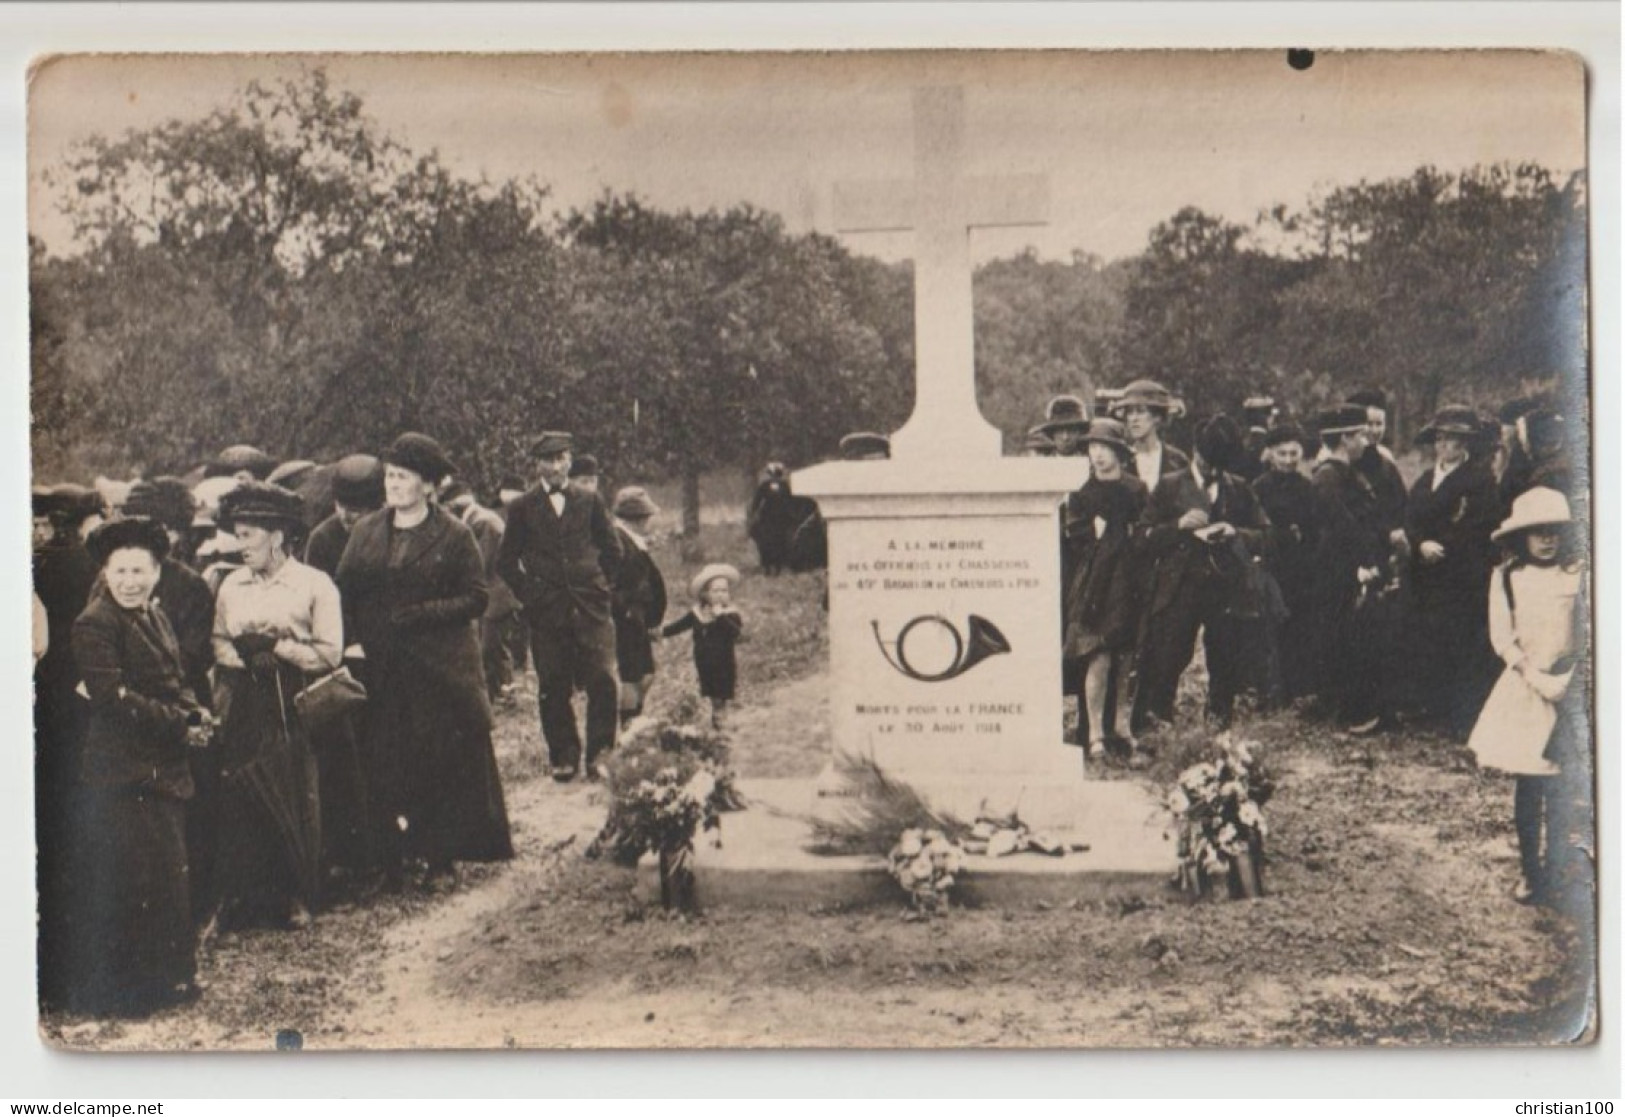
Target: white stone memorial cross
{"points": [[944, 561], [942, 206]]}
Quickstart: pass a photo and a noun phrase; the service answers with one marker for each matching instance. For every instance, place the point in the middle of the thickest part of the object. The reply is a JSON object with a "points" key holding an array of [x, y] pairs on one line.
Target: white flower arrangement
{"points": [[1217, 806], [926, 863]]}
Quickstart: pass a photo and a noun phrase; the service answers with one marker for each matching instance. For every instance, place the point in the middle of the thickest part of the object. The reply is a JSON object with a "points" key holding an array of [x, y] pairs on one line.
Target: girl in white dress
{"points": [[1533, 725]]}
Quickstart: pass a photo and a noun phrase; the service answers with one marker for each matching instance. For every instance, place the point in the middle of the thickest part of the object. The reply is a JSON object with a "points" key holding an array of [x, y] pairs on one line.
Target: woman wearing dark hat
{"points": [[277, 627], [1144, 409], [416, 585], [188, 603], [1452, 510], [1288, 499], [1066, 421], [132, 948], [1105, 594], [245, 463]]}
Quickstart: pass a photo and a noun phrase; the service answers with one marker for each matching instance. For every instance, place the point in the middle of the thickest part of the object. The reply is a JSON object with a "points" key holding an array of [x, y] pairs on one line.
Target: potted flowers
{"points": [[1217, 806], [666, 783]]}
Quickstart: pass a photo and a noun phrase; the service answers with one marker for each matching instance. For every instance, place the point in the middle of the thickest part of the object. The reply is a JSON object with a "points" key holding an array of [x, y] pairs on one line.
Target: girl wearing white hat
{"points": [[1533, 725], [716, 626]]}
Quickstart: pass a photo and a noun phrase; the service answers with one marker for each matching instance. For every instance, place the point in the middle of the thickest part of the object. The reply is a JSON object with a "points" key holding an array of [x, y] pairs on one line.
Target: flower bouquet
{"points": [[926, 863], [1217, 806], [667, 783]]}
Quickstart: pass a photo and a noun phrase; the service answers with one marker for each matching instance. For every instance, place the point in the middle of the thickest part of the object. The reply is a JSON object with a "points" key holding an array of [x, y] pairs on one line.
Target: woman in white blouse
{"points": [[277, 625]]}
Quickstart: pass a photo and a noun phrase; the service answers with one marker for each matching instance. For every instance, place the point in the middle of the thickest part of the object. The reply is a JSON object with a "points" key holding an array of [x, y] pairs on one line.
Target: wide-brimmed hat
{"points": [[358, 482], [551, 442], [865, 444], [634, 503], [1108, 432], [290, 474], [584, 465], [1538, 507], [67, 504], [237, 459], [1286, 432], [1039, 442], [420, 454], [132, 531], [1065, 413], [709, 574], [1345, 418], [1147, 393], [165, 499], [261, 504], [1461, 422], [1369, 397], [1219, 442], [1253, 404]]}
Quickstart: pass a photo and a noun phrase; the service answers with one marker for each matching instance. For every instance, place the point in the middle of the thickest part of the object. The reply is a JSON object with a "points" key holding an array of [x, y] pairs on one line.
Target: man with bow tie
{"points": [[560, 555]]}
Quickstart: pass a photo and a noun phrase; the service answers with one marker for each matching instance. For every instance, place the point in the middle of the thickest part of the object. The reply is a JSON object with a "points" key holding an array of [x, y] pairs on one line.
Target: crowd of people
{"points": [[272, 684]]}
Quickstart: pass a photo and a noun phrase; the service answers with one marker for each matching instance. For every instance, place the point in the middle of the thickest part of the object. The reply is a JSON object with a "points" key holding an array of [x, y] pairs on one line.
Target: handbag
{"points": [[328, 699]]}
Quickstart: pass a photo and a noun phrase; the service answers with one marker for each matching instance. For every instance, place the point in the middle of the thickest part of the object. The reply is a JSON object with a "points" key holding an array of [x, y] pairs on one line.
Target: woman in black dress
{"points": [[1105, 594], [132, 947], [415, 585]]}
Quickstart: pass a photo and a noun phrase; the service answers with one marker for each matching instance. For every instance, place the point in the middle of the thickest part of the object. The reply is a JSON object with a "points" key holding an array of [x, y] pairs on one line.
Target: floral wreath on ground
{"points": [[926, 864], [1217, 805]]}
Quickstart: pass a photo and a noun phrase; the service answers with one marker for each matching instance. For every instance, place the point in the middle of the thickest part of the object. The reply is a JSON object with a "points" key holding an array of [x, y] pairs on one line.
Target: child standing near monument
{"points": [[716, 626], [1534, 724]]}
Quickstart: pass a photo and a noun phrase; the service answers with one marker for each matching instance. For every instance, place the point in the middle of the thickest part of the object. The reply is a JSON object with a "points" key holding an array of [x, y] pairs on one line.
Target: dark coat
{"points": [[139, 701], [326, 545], [1173, 461], [1387, 486], [556, 564], [640, 604], [1459, 515], [714, 642], [1288, 499], [488, 528], [1183, 561], [772, 520], [130, 938], [1350, 526], [428, 722], [1106, 589]]}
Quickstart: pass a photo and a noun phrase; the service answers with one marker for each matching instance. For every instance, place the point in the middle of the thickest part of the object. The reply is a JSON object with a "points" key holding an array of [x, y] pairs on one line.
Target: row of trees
{"points": [[280, 273]]}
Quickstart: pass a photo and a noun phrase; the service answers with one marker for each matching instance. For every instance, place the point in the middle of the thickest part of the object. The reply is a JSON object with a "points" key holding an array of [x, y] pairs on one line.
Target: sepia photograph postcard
{"points": [[868, 549]]}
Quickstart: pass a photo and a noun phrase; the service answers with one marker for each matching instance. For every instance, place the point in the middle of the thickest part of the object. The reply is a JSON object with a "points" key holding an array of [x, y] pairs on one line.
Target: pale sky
{"points": [[1125, 139]]}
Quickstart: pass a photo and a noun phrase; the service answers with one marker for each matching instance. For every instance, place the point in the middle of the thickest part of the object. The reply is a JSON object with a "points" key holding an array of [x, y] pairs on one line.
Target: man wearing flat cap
{"points": [[560, 555], [639, 599], [1352, 567], [1203, 527]]}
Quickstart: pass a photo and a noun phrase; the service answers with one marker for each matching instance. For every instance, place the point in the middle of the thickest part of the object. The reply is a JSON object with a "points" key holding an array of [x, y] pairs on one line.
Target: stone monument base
{"points": [[763, 860]]}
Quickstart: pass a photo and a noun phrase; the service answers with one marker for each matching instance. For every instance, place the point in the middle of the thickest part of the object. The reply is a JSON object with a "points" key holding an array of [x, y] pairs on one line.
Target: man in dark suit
{"points": [[560, 555], [1203, 527], [639, 599], [1452, 510]]}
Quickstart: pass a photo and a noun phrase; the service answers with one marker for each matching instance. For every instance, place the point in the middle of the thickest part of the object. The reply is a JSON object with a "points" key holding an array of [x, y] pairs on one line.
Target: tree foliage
{"points": [[279, 272]]}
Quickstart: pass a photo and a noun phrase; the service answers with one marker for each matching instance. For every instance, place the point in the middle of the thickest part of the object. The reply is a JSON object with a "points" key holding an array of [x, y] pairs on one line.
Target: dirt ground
{"points": [[1388, 920]]}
